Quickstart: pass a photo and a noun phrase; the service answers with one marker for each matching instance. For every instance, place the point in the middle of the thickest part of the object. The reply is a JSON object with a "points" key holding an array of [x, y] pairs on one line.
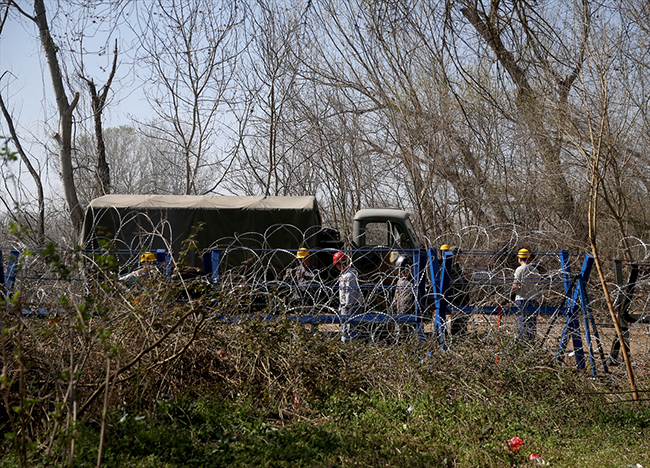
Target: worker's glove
{"points": [[513, 295]]}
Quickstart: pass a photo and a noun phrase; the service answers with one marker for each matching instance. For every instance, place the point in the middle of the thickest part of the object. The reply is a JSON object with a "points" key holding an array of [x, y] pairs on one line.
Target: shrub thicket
{"points": [[168, 372]]}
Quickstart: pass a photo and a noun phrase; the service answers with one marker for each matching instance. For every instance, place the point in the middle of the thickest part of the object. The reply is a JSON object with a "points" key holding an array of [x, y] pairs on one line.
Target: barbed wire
{"points": [[480, 311]]}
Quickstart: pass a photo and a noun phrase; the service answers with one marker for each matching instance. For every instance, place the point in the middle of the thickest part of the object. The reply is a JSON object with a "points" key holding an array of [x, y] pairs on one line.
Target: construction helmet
{"points": [[147, 257], [445, 247], [523, 253], [339, 257], [302, 253]]}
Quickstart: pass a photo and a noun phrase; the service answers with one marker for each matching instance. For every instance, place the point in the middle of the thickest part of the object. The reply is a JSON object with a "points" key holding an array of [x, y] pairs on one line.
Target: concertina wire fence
{"points": [[481, 279]]}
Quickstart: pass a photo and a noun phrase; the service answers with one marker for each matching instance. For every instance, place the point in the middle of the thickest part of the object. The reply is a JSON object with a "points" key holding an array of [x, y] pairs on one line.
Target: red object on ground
{"points": [[514, 444], [533, 457]]}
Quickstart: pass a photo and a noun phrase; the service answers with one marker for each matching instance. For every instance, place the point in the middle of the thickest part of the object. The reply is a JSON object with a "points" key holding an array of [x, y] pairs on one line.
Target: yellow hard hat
{"points": [[147, 257], [523, 253], [302, 253], [445, 247]]}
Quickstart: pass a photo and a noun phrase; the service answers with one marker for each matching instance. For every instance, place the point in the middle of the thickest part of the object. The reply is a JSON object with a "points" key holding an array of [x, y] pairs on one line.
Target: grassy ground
{"points": [[371, 430], [259, 396]]}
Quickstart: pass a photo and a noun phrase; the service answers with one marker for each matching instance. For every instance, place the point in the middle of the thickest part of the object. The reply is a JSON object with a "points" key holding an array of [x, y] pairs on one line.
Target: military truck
{"points": [[151, 222]]}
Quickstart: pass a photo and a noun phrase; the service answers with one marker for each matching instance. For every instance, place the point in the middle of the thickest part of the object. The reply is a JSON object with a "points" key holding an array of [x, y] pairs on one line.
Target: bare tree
{"points": [[98, 102], [191, 50], [393, 73], [65, 108], [270, 80], [595, 138], [137, 165], [542, 56], [63, 137], [40, 224]]}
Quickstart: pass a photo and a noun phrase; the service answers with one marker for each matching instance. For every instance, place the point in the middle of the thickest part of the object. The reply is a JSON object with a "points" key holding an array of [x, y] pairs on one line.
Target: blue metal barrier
{"points": [[8, 276], [9, 280], [212, 266], [576, 302]]}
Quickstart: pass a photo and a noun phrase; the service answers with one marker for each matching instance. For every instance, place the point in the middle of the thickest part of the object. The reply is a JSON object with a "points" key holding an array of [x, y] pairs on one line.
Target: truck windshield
{"points": [[378, 233], [386, 233]]}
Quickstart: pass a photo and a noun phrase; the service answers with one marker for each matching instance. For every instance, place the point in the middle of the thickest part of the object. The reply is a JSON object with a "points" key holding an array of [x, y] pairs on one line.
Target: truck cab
{"points": [[384, 228]]}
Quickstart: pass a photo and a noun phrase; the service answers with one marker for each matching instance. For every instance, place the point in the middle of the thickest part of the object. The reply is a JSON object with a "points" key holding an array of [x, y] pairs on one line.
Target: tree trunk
{"points": [[531, 110], [98, 101], [64, 136]]}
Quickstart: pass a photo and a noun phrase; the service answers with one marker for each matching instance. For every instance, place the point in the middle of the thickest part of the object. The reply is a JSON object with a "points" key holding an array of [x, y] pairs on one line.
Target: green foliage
{"points": [[54, 259], [20, 231], [276, 395], [418, 429]]}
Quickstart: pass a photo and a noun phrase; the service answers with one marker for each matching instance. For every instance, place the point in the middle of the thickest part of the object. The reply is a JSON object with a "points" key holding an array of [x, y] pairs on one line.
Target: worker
{"points": [[456, 293], [524, 291], [148, 268], [350, 296], [301, 277], [404, 298]]}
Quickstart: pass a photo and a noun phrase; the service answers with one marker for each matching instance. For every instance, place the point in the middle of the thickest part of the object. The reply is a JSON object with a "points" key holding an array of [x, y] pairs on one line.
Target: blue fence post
{"points": [[581, 290], [10, 278], [445, 280], [211, 260], [434, 271], [569, 306], [164, 258], [590, 323], [440, 279], [585, 319], [572, 324]]}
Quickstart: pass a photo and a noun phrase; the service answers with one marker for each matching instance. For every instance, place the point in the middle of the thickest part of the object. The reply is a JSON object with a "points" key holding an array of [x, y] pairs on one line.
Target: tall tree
{"points": [[392, 72], [542, 56], [65, 108], [134, 159], [270, 79], [40, 224], [191, 50], [597, 138]]}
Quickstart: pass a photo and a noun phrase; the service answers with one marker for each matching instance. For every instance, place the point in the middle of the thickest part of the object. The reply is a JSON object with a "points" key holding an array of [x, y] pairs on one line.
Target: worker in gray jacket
{"points": [[301, 278], [404, 297], [525, 291], [350, 297]]}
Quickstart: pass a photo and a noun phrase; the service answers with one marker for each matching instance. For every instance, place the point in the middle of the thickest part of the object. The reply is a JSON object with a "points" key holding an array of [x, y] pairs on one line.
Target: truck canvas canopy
{"points": [[147, 222]]}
